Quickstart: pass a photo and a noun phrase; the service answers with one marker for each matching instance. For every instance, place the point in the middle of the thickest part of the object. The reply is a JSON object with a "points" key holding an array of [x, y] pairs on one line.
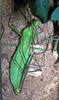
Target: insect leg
{"points": [[36, 35], [14, 28], [29, 13], [6, 43], [13, 17]]}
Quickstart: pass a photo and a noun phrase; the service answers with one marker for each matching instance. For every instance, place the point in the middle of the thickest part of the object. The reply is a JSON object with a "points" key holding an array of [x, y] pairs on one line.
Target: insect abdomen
{"points": [[19, 62]]}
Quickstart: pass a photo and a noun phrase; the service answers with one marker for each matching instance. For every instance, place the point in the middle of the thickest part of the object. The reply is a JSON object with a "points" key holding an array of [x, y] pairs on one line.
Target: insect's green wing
{"points": [[21, 59]]}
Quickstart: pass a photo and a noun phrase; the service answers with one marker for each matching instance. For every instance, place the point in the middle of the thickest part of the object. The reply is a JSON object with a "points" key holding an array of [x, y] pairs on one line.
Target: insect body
{"points": [[21, 58]]}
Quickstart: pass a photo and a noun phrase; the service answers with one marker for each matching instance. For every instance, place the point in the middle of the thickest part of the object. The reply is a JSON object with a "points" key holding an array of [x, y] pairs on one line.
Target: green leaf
{"points": [[55, 14], [58, 47], [42, 8]]}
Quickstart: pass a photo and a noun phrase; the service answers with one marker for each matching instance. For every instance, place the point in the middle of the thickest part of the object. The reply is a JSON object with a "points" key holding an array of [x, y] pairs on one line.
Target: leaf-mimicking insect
{"points": [[21, 57]]}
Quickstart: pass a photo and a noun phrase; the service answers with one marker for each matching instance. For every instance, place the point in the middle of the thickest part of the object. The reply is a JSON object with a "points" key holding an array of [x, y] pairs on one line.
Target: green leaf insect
{"points": [[21, 58]]}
